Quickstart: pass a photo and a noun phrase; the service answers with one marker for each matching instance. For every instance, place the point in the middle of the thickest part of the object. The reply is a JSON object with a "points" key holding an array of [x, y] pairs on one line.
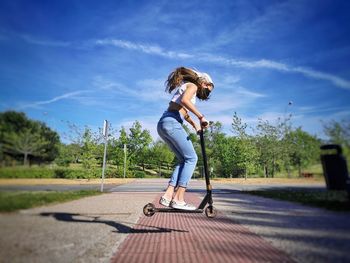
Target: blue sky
{"points": [[85, 61]]}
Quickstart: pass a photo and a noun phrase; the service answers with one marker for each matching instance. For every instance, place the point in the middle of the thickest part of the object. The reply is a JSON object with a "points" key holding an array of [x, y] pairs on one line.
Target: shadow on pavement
{"points": [[120, 228], [326, 233]]}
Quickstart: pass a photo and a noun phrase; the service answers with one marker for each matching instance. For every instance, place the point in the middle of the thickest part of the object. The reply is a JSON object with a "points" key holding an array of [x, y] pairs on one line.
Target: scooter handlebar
{"points": [[204, 126]]}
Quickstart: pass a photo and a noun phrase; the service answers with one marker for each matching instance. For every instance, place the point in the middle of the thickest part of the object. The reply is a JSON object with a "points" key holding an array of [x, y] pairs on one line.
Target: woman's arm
{"points": [[191, 90], [188, 118]]}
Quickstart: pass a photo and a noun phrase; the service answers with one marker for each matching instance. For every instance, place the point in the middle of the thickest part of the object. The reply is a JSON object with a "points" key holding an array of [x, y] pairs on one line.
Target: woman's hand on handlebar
{"points": [[204, 122]]}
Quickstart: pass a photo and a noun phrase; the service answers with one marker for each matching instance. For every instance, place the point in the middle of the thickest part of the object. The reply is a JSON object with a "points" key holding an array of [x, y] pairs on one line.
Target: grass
{"points": [[331, 200], [13, 201]]}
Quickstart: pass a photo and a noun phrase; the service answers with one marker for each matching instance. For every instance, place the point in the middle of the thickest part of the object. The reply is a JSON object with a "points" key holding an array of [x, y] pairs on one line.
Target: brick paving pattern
{"points": [[174, 237]]}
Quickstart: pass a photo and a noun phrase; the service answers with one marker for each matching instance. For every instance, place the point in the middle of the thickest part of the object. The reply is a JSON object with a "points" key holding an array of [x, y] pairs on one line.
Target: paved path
{"points": [[306, 234], [173, 237], [252, 229], [85, 230]]}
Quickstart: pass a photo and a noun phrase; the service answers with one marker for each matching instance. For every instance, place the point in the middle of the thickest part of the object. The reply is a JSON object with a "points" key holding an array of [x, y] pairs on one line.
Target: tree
{"points": [[228, 151], [245, 144], [89, 148], [268, 145], [212, 136], [23, 138], [138, 143], [160, 153], [52, 141], [65, 157], [285, 127], [304, 148], [25, 143], [339, 133]]}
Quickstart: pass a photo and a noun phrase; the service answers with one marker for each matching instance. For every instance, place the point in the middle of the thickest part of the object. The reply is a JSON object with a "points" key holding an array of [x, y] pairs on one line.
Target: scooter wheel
{"points": [[210, 212], [149, 209]]}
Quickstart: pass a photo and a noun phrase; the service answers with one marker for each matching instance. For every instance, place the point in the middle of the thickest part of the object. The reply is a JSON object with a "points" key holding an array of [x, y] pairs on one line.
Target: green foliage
{"points": [[64, 156], [304, 148], [138, 143], [89, 148], [332, 200], [67, 173], [339, 133], [228, 150], [268, 142], [140, 174], [245, 146], [161, 153], [26, 140], [62, 172], [26, 172], [273, 148]]}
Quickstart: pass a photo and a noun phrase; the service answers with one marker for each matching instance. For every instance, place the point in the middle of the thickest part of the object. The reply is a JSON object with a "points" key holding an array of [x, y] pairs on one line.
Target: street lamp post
{"points": [[125, 149], [290, 103], [105, 135]]}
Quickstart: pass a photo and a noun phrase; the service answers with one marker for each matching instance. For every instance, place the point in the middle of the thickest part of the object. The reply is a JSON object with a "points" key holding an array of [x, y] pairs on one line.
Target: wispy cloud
{"points": [[44, 42], [263, 63], [337, 81], [269, 64], [143, 90], [249, 94], [312, 110], [37, 104], [149, 49], [206, 57]]}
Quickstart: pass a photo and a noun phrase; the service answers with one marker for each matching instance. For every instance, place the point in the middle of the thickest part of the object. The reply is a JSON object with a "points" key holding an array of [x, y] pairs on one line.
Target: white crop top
{"points": [[178, 95]]}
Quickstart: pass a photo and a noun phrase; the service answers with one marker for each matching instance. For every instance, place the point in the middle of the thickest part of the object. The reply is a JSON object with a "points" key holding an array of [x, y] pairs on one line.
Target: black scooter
{"points": [[210, 211]]}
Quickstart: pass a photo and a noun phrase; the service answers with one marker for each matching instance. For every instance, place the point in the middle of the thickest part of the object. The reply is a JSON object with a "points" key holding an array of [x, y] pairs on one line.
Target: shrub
{"points": [[26, 172], [62, 162], [111, 173], [66, 173], [139, 174]]}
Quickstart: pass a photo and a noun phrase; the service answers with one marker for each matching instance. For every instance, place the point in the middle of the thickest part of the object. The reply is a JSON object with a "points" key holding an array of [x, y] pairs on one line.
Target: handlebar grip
{"points": [[204, 123]]}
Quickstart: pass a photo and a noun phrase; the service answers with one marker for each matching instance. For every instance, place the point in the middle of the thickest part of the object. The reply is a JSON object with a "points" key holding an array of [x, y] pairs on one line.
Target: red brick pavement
{"points": [[175, 237]]}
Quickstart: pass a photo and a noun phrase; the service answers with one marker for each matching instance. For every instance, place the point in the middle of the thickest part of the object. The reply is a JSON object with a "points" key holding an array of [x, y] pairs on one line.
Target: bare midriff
{"points": [[173, 106]]}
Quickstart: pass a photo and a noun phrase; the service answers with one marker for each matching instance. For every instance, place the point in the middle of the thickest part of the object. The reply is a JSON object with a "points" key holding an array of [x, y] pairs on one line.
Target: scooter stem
{"points": [[205, 163]]}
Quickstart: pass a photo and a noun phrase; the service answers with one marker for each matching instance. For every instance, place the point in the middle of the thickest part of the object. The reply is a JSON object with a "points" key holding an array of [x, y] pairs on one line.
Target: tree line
{"points": [[265, 150]]}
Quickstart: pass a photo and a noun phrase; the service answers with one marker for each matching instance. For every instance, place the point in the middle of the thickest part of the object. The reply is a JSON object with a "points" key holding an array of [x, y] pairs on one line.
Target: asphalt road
{"points": [[157, 185]]}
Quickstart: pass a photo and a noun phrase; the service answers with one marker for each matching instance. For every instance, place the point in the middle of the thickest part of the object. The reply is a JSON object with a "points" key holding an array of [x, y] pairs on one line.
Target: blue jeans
{"points": [[170, 130]]}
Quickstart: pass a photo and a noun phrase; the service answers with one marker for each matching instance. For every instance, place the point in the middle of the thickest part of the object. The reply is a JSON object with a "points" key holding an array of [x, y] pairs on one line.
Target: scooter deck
{"points": [[174, 210]]}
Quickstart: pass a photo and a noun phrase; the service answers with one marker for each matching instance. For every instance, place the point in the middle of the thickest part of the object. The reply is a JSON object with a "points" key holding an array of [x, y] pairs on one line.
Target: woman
{"points": [[189, 84]]}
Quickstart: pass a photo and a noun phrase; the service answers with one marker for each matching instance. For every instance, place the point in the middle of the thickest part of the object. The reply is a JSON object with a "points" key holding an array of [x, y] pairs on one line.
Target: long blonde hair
{"points": [[179, 75]]}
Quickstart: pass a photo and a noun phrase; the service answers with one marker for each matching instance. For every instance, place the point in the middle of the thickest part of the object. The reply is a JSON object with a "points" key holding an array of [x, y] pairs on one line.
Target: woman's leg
{"points": [[184, 146], [173, 182], [165, 130], [169, 192], [180, 194], [177, 139]]}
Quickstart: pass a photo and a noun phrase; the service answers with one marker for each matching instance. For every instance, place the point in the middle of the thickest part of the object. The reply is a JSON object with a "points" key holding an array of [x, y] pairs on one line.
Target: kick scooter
{"points": [[210, 211]]}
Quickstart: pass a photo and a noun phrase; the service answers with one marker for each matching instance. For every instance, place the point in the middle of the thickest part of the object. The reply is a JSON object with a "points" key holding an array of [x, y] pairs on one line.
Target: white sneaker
{"points": [[182, 205], [164, 201]]}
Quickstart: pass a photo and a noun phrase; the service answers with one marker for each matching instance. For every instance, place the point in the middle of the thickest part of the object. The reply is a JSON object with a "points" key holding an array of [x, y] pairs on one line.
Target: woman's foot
{"points": [[164, 201], [182, 205]]}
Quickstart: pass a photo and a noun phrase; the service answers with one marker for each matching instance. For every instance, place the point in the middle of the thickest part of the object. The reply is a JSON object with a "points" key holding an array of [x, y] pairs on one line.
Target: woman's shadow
{"points": [[120, 228]]}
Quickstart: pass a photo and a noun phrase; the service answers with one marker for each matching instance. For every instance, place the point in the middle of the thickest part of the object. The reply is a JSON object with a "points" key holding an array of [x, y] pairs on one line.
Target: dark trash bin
{"points": [[334, 167]]}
